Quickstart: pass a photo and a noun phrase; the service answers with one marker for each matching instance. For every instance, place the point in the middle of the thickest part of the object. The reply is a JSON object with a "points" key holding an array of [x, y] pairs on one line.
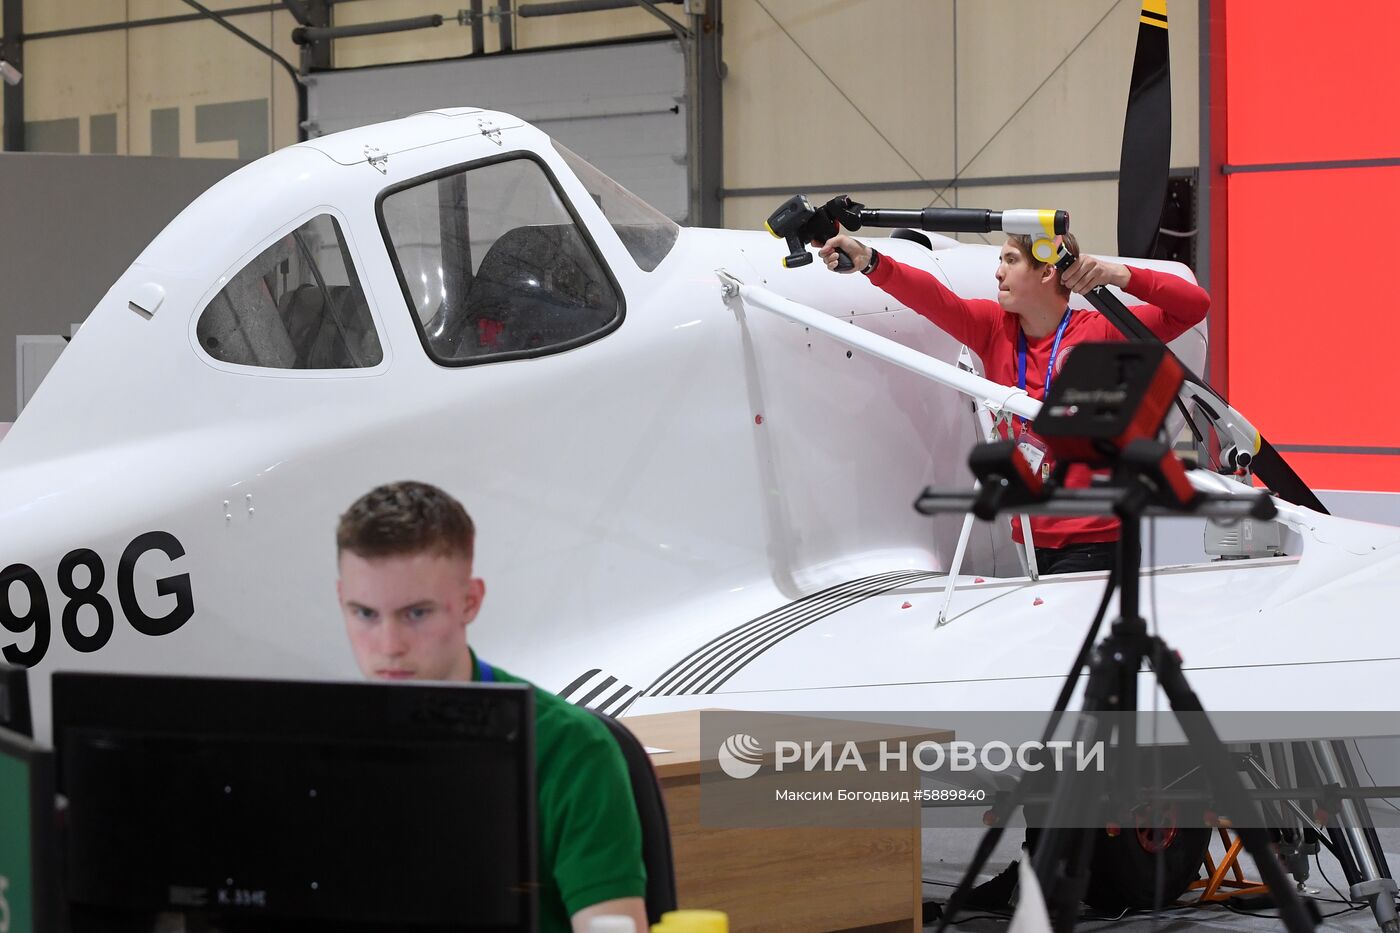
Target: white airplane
{"points": [[684, 497]]}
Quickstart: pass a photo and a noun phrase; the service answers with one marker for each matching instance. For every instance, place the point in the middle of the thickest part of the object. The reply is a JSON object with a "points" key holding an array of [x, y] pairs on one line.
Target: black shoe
{"points": [[996, 893]]}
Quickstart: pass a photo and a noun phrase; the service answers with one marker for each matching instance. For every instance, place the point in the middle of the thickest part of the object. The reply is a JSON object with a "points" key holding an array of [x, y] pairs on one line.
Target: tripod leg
{"points": [[1062, 855], [1226, 783], [1007, 806], [1371, 884]]}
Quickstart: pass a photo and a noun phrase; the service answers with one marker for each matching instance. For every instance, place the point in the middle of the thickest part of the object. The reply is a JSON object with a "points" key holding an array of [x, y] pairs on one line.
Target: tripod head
{"points": [[1104, 410]]}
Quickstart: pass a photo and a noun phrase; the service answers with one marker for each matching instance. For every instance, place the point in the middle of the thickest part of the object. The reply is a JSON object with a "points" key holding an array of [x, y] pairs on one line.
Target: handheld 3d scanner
{"points": [[798, 222]]}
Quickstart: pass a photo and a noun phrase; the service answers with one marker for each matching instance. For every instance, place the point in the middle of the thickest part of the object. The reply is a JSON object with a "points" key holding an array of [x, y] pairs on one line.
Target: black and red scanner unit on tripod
{"points": [[1105, 409]]}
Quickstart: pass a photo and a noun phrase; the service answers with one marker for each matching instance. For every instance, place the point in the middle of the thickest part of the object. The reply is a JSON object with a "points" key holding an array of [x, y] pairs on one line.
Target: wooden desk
{"points": [[802, 879]]}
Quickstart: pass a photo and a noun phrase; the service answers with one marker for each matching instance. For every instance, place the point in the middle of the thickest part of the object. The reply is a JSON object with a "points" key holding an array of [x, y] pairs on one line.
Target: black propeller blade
{"points": [[1142, 192], [1147, 136]]}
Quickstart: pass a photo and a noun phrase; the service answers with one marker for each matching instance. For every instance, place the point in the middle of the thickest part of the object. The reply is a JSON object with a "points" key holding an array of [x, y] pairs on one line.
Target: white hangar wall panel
{"points": [[620, 106], [446, 41], [541, 31], [452, 41]]}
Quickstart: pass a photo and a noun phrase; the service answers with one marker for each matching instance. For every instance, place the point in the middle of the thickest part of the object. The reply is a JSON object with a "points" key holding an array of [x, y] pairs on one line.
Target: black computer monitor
{"points": [[14, 700], [274, 805]]}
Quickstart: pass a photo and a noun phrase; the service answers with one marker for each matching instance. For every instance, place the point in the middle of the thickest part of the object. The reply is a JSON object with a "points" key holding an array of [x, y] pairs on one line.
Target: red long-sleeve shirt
{"points": [[1171, 307]]}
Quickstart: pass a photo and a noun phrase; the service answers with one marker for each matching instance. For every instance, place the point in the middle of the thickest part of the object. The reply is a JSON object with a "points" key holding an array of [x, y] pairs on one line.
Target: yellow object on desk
{"points": [[692, 921]]}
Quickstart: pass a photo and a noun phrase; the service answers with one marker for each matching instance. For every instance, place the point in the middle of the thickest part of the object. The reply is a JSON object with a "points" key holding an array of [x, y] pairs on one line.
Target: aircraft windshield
{"points": [[493, 266], [647, 233]]}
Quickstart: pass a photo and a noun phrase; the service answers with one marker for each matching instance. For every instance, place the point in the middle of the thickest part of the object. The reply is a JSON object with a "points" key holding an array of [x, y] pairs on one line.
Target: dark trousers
{"points": [[1073, 558]]}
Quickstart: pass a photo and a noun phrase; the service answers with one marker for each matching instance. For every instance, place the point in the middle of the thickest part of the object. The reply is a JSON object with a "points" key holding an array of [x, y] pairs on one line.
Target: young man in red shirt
{"points": [[1024, 335]]}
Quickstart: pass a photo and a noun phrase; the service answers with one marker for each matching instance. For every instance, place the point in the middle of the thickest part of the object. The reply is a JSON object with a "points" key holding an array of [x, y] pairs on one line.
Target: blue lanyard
{"points": [[1021, 350], [487, 672]]}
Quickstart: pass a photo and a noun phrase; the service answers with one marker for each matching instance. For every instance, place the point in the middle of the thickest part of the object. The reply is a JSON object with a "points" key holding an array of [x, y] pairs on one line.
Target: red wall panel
{"points": [[1312, 81], [1314, 326], [1311, 286], [1347, 471]]}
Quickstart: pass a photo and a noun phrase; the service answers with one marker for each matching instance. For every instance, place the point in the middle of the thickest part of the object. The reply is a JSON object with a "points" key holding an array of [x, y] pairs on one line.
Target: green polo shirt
{"points": [[590, 838]]}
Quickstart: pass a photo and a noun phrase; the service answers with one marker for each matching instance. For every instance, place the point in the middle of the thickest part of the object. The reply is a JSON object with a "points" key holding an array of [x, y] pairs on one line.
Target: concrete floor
{"points": [[947, 853]]}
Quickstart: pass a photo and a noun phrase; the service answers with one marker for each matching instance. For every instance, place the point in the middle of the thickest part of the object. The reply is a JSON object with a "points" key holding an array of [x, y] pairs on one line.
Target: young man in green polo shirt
{"points": [[407, 593]]}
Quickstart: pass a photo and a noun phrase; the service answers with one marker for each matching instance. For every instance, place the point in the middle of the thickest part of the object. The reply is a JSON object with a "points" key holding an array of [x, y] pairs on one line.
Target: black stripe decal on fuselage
{"points": [[712, 665], [617, 713], [621, 692], [591, 695], [597, 690], [582, 679], [667, 682]]}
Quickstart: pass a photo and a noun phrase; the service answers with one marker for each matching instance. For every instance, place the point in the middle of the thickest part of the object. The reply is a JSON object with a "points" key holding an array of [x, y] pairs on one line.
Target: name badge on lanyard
{"points": [[1032, 447]]}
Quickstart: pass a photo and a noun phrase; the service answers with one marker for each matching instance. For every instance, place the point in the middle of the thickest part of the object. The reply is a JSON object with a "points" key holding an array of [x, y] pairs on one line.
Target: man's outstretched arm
{"points": [[970, 321]]}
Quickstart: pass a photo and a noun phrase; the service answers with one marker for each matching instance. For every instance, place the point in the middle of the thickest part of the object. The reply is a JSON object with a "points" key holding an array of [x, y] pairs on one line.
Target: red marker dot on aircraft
{"points": [[979, 580], [907, 606], [757, 419], [1038, 602]]}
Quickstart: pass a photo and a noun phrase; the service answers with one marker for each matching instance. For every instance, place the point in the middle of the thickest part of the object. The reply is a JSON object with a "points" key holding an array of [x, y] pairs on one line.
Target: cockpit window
{"points": [[298, 305], [647, 233], [494, 266]]}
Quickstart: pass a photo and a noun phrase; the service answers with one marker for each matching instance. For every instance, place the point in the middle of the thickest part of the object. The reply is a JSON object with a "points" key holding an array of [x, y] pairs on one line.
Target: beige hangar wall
{"points": [[189, 89], [852, 92], [818, 92]]}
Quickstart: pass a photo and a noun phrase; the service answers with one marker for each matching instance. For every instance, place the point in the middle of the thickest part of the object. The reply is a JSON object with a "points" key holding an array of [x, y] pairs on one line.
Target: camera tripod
{"points": [[1061, 859]]}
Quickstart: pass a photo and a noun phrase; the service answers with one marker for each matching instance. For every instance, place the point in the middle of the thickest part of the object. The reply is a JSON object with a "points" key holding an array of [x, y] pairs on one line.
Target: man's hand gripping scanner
{"points": [[798, 222]]}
